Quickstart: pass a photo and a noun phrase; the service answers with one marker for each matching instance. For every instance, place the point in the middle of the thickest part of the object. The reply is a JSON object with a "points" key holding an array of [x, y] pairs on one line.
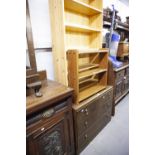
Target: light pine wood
{"points": [[58, 40], [80, 28], [90, 91], [75, 24], [94, 3], [81, 7], [73, 72], [87, 66], [87, 78], [91, 72]]}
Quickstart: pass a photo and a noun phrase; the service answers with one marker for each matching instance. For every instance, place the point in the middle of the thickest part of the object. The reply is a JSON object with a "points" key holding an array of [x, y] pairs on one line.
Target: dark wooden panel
{"points": [[49, 129], [91, 118]]}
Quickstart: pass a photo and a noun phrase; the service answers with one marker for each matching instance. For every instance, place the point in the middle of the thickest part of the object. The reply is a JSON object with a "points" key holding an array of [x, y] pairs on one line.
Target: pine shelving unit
{"points": [[87, 72], [75, 24]]}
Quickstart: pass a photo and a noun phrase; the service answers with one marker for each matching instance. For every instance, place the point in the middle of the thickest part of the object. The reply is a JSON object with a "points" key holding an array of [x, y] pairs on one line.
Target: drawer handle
{"points": [[48, 113], [86, 111], [85, 136], [124, 77], [86, 123], [42, 129], [82, 110]]}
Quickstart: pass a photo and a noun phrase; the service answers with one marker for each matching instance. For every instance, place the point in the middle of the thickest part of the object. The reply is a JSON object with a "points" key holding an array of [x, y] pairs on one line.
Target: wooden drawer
{"points": [[120, 75], [94, 111], [47, 113], [87, 136]]}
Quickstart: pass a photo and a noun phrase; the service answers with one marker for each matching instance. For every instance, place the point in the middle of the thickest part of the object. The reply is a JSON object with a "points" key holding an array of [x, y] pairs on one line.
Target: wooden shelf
{"points": [[81, 7], [90, 91], [91, 50], [120, 68], [88, 80], [87, 66], [80, 28], [91, 72]]}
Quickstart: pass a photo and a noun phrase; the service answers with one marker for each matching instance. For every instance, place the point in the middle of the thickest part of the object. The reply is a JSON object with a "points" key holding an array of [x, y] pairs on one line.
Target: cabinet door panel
{"points": [[118, 89], [51, 138]]}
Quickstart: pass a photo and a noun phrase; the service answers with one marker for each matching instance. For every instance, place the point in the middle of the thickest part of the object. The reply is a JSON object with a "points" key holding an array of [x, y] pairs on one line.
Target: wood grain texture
{"points": [[58, 40], [51, 91], [49, 121]]}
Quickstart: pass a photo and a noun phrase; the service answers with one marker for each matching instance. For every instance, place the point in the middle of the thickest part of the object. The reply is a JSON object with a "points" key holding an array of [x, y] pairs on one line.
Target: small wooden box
{"points": [[123, 49]]}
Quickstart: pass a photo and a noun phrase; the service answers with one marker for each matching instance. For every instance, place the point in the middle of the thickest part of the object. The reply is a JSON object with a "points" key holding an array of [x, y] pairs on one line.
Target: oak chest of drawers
{"points": [[91, 116]]}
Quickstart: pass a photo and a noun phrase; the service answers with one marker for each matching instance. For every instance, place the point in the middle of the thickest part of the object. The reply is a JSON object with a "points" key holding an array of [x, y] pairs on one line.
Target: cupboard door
{"points": [[52, 138], [118, 89]]}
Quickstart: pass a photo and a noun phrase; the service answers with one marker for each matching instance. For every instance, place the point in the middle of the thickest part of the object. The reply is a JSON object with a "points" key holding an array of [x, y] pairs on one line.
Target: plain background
{"points": [[12, 77]]}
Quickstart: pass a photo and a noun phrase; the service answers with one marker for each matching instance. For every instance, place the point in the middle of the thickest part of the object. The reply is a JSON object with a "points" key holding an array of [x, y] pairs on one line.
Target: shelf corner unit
{"points": [[87, 72]]}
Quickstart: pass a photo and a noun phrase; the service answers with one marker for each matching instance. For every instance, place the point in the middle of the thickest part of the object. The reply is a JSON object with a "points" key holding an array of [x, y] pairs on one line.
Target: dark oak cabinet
{"points": [[119, 79], [91, 116], [50, 128]]}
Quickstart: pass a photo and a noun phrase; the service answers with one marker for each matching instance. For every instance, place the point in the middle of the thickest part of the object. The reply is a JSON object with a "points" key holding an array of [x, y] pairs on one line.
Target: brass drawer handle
{"points": [[48, 113], [86, 123]]}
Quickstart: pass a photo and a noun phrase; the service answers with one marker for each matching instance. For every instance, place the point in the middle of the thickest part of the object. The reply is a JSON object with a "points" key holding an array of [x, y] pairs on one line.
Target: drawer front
{"points": [[87, 116], [120, 75], [86, 137], [47, 113]]}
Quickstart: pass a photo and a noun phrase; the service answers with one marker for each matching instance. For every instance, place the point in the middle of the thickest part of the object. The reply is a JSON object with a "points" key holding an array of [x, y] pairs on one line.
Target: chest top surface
{"points": [[52, 92]]}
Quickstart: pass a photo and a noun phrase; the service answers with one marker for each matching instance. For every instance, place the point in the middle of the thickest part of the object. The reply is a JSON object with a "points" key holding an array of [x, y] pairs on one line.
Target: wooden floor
{"points": [[114, 138]]}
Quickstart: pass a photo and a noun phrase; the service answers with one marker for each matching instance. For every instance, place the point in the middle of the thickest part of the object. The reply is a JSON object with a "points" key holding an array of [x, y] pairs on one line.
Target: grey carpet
{"points": [[114, 138]]}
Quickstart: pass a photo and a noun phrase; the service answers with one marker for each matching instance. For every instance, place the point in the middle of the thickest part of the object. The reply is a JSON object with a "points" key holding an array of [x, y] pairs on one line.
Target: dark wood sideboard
{"points": [[119, 79], [91, 116], [49, 124]]}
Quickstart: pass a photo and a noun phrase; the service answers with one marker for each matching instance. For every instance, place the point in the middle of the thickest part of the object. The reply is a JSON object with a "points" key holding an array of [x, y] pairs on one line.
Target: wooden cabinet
{"points": [[119, 79], [91, 116], [87, 72], [75, 24], [49, 129]]}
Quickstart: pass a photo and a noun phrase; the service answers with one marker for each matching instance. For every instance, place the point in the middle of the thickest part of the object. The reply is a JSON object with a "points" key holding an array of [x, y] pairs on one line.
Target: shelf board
{"points": [[91, 72], [88, 80], [120, 68], [106, 23], [87, 66], [80, 28], [122, 27], [89, 51], [90, 91], [81, 7]]}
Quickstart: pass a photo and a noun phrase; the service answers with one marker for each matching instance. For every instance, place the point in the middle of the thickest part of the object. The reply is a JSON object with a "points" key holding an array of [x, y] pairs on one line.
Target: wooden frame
{"points": [[87, 72], [29, 37]]}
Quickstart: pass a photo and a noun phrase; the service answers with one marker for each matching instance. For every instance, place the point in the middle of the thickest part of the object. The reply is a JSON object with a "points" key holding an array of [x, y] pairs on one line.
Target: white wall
{"points": [[40, 21]]}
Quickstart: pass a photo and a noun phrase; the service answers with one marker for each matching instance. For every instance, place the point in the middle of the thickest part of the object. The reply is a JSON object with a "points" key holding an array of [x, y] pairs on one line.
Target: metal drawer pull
{"points": [[42, 129], [86, 111], [124, 77], [85, 136], [86, 123], [82, 110], [48, 113]]}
